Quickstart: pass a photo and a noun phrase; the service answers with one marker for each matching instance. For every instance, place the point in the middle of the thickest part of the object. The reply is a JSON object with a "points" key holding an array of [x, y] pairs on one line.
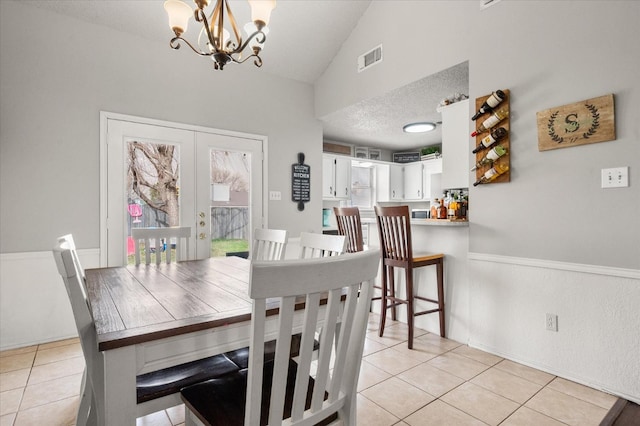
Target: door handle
{"points": [[201, 235], [202, 223], [201, 214]]}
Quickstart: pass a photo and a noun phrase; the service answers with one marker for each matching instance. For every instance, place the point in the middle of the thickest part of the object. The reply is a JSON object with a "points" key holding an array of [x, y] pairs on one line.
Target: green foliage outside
{"points": [[219, 247]]}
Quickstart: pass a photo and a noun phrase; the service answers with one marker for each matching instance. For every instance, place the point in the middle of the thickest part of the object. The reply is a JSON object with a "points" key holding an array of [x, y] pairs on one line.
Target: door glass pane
{"points": [[230, 195], [153, 183]]}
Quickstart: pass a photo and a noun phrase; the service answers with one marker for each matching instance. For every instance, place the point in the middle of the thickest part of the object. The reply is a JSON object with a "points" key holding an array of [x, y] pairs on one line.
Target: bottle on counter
{"points": [[442, 211], [495, 118], [491, 139], [492, 174], [491, 156], [434, 209], [464, 206], [452, 209], [491, 102]]}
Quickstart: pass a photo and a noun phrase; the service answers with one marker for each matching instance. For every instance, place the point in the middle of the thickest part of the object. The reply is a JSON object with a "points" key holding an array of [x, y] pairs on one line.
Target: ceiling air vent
{"points": [[487, 3], [370, 58]]}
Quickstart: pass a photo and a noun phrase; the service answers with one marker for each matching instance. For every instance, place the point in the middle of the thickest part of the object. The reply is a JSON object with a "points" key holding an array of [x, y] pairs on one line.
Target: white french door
{"points": [[156, 173]]}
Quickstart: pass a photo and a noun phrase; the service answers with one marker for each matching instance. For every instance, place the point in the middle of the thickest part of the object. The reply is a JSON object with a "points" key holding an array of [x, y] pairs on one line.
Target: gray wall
{"points": [[548, 54], [58, 73]]}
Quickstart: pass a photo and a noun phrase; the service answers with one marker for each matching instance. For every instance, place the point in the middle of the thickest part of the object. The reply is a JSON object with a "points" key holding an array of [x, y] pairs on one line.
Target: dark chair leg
{"points": [[409, 297], [383, 301], [392, 291], [440, 273]]}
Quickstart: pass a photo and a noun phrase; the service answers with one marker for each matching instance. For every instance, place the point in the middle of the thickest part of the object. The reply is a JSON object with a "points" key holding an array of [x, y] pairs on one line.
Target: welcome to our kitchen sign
{"points": [[580, 123]]}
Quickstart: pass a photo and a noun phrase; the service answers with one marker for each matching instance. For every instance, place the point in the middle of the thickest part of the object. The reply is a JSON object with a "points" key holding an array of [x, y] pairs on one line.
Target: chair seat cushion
{"points": [[170, 380], [221, 401], [241, 356]]}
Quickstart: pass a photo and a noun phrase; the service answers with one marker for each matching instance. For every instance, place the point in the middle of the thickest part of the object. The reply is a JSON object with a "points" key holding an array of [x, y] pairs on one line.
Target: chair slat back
{"points": [[350, 276], [394, 230], [321, 245], [73, 277], [349, 225], [163, 240], [269, 244]]}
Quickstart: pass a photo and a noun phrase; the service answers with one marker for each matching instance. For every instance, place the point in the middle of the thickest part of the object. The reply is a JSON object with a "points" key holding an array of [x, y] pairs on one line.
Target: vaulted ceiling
{"points": [[304, 38]]}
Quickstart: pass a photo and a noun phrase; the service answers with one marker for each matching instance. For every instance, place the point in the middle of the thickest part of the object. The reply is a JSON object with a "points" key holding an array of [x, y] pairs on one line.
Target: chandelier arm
{"points": [[202, 17], [234, 26], [257, 35], [175, 44], [257, 62]]}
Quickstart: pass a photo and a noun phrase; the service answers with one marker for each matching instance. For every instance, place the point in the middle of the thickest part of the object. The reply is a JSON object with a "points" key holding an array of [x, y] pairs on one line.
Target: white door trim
{"points": [[105, 116]]}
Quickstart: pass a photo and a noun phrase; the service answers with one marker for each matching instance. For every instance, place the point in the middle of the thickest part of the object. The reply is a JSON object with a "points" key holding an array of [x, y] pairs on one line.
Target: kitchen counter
{"points": [[428, 222]]}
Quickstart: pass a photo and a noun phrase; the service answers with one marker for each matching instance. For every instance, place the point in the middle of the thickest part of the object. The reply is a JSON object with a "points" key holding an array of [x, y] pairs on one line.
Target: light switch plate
{"points": [[617, 177], [275, 195]]}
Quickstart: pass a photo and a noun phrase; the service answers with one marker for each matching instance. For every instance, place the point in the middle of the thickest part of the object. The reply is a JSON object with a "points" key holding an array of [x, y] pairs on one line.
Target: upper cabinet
{"points": [[455, 145], [389, 182], [413, 181], [336, 177]]}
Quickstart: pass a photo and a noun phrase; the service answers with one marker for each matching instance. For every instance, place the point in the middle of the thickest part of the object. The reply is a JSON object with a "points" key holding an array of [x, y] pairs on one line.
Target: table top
{"points": [[137, 304]]}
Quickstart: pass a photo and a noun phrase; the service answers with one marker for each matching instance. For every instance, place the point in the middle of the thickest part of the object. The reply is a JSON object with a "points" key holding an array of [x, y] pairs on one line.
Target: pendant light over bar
{"points": [[215, 40]]}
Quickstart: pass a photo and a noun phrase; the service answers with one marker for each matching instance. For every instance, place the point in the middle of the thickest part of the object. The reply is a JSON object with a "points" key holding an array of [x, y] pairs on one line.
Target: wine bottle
{"points": [[491, 139], [492, 174], [491, 156], [491, 102], [495, 118]]}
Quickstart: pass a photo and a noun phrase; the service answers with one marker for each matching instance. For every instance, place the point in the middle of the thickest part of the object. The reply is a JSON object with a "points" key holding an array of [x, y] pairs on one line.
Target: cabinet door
{"points": [[328, 177], [413, 181], [343, 178], [396, 182], [432, 179], [455, 145]]}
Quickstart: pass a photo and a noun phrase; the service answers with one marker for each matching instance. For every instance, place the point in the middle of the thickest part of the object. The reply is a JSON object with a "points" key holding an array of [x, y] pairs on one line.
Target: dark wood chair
{"points": [[349, 225], [394, 229]]}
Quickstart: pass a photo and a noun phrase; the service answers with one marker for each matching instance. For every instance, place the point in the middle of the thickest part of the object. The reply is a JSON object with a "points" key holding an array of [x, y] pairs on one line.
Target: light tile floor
{"points": [[439, 382]]}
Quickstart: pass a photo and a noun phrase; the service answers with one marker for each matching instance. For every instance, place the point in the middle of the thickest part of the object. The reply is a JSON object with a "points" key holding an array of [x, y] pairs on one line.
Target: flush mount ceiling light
{"points": [[215, 40], [421, 127]]}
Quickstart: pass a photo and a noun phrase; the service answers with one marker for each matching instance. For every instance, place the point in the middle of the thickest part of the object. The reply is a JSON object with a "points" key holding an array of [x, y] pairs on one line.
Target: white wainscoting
{"points": [[598, 338], [34, 307]]}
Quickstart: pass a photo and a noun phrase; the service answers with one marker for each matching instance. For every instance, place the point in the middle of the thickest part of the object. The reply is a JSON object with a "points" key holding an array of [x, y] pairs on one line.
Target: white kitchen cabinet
{"points": [[413, 180], [432, 179], [455, 145], [336, 177], [389, 182]]}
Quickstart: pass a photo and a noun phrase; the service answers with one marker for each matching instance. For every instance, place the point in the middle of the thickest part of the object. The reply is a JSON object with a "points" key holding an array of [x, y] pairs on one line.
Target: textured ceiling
{"points": [[377, 122]]}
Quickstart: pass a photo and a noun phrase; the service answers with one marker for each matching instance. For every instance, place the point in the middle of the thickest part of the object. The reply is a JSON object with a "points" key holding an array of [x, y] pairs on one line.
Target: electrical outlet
{"points": [[617, 177], [552, 322], [275, 195]]}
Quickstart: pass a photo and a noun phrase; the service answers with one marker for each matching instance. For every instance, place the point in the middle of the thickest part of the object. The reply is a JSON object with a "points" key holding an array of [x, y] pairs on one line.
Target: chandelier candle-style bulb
{"points": [[179, 14], [215, 40], [261, 11]]}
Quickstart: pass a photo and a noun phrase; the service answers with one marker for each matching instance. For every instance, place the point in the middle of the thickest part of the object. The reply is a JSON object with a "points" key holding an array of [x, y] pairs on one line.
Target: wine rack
{"points": [[505, 142]]}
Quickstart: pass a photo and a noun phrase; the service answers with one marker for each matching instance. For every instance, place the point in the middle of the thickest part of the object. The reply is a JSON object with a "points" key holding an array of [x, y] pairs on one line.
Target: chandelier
{"points": [[214, 39]]}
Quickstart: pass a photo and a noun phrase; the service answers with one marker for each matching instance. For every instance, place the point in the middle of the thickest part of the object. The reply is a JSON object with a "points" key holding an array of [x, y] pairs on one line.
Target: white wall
{"points": [[553, 210], [56, 75]]}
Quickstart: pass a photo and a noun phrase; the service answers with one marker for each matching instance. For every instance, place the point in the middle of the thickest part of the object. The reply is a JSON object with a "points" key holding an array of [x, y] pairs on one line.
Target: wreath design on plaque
{"points": [[595, 124]]}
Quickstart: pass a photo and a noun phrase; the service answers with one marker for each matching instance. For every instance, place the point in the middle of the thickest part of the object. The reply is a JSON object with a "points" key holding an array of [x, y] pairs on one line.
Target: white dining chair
{"points": [[321, 245], [269, 244], [288, 391], [156, 390], [166, 242]]}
